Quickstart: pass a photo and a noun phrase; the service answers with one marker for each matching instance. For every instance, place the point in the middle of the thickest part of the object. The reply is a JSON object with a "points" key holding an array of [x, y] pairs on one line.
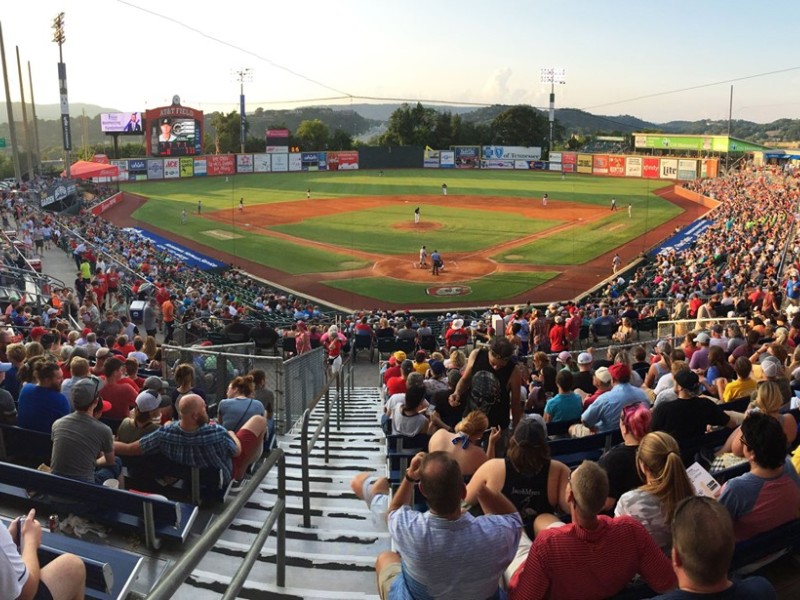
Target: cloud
{"points": [[499, 89]]}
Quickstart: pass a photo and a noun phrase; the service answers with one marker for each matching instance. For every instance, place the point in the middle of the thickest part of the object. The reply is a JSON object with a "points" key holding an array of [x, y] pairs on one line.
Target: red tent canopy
{"points": [[84, 169]]}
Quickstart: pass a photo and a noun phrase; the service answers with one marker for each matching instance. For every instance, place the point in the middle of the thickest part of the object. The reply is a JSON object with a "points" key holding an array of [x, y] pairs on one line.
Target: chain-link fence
{"points": [[295, 382]]}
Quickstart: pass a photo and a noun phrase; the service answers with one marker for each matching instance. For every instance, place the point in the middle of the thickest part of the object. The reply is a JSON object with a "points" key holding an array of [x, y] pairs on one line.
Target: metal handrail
{"points": [[306, 445], [183, 568]]}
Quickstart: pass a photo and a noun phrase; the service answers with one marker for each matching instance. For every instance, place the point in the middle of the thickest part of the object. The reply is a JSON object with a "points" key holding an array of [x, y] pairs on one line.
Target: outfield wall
{"points": [[412, 157]]}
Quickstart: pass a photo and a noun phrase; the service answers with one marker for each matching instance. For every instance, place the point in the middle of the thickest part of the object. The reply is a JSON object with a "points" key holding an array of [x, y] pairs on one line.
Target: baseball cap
{"points": [[437, 367], [530, 431], [620, 371], [584, 358], [563, 356], [154, 383], [4, 366], [84, 392], [147, 401], [769, 368], [101, 352], [687, 379], [702, 338], [603, 375], [399, 356]]}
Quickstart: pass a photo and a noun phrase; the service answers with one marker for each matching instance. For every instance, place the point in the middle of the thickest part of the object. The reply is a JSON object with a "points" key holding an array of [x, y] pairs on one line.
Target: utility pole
{"points": [[11, 127], [552, 75], [25, 126], [33, 118], [59, 38]]}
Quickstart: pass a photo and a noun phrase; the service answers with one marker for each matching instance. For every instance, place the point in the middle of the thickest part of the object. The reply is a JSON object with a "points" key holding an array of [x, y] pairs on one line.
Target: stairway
{"points": [[334, 558]]}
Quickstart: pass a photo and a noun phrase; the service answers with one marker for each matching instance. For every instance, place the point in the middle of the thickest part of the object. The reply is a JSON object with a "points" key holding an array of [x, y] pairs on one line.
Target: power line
{"points": [[694, 87], [233, 46]]}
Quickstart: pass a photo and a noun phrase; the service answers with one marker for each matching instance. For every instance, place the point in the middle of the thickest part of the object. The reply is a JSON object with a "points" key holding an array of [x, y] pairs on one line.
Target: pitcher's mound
{"points": [[422, 226]]}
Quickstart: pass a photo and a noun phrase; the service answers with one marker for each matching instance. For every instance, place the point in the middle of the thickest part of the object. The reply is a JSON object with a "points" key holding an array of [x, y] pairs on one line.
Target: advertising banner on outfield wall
{"points": [[523, 165], [554, 166], [280, 163], [310, 161], [430, 159], [687, 169], [555, 157], [511, 153], [716, 143], [244, 163], [616, 166], [600, 164], [633, 166], [669, 168], [155, 168], [467, 157], [221, 164], [447, 159], [651, 169], [346, 160], [295, 161], [569, 162], [497, 164], [172, 168], [584, 163], [122, 166], [200, 167], [262, 163], [187, 166]]}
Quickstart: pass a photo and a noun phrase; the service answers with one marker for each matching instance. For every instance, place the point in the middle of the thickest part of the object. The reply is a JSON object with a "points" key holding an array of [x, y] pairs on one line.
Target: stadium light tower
{"points": [[59, 38], [242, 76], [552, 75]]}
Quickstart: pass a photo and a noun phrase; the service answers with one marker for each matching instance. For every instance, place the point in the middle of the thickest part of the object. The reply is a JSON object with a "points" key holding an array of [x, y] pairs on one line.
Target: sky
{"points": [[620, 56]]}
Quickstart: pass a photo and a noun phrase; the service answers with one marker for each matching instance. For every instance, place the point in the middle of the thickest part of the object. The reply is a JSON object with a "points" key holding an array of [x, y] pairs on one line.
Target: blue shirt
{"points": [[208, 446], [234, 412], [752, 588], [564, 407], [603, 414], [40, 407]]}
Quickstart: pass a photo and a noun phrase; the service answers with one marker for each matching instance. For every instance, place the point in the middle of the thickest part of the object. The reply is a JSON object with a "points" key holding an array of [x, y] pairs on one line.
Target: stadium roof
{"points": [[697, 143]]}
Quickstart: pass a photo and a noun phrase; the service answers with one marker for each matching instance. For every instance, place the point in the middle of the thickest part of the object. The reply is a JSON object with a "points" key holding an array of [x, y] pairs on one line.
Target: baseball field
{"points": [[354, 242]]}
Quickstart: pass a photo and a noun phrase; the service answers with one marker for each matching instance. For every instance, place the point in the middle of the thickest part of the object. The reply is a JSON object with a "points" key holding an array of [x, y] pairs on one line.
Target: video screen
{"points": [[127, 123], [175, 137]]}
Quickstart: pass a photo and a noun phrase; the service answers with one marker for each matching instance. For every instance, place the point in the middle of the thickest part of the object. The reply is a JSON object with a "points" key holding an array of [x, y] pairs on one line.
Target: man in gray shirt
{"points": [[150, 319], [110, 327], [79, 438]]}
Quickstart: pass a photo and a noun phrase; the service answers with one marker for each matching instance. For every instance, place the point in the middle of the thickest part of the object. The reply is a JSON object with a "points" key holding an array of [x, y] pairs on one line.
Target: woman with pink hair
{"points": [[620, 461]]}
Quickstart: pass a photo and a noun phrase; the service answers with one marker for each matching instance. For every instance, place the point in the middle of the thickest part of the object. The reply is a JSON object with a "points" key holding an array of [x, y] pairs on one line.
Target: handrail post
{"points": [[280, 557], [327, 424], [304, 465]]}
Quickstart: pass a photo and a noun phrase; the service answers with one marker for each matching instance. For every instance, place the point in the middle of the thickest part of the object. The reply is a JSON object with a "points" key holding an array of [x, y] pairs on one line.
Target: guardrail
{"points": [[344, 387], [183, 568]]}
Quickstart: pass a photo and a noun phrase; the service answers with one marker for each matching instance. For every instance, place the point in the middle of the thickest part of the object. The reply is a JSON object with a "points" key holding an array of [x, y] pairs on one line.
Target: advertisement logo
{"points": [[449, 290], [136, 165]]}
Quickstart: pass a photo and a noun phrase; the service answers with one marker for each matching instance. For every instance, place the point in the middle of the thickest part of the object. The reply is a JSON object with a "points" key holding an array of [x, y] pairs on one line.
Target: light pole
{"points": [[552, 75], [242, 76], [59, 38]]}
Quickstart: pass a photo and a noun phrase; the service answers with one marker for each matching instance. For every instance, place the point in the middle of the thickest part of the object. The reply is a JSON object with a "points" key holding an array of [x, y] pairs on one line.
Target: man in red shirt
{"points": [[612, 550], [558, 335], [120, 395]]}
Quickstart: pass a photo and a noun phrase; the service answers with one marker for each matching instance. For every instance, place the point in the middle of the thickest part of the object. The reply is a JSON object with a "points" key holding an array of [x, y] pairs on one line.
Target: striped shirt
{"points": [[208, 446]]}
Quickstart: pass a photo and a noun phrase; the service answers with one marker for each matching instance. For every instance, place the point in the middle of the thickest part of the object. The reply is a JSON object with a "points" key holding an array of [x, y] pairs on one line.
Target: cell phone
{"points": [[18, 536]]}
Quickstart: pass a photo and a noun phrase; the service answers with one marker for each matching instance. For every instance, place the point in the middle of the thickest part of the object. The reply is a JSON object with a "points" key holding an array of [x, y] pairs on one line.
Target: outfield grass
{"points": [[371, 230], [278, 254], [484, 290], [581, 244]]}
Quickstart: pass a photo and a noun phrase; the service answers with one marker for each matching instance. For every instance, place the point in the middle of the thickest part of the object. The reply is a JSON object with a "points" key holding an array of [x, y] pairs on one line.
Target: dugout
{"points": [[393, 157]]}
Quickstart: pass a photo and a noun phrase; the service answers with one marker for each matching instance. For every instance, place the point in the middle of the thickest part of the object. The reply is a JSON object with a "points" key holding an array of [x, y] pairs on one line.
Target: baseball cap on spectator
{"points": [[563, 356], [603, 375], [687, 379], [584, 358], [84, 392], [399, 356], [147, 401], [37, 332], [437, 367], [661, 347], [153, 383], [530, 432], [559, 319], [85, 331], [620, 372], [457, 323], [52, 311], [102, 353], [702, 338], [4, 367], [406, 366], [769, 368]]}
